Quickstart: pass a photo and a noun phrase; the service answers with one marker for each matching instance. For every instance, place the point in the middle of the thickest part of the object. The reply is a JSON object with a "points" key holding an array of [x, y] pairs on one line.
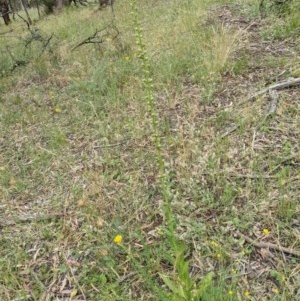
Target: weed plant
{"points": [[129, 166], [181, 284]]}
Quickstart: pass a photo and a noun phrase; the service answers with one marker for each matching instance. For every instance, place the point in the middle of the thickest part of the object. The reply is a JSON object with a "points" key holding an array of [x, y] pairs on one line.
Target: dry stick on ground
{"points": [[96, 39], [111, 145], [29, 218], [273, 106], [268, 245], [248, 176], [231, 130], [289, 158], [282, 85], [273, 96], [274, 101]]}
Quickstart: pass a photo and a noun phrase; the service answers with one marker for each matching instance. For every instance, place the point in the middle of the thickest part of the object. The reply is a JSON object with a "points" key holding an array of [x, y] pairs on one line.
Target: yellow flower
{"points": [[266, 231], [118, 239], [73, 293], [233, 271], [282, 278], [219, 256], [247, 294], [57, 110], [230, 292], [276, 291]]}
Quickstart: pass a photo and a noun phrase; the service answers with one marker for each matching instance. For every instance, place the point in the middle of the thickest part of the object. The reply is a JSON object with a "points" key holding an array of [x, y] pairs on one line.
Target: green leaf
{"points": [[170, 284], [204, 285]]}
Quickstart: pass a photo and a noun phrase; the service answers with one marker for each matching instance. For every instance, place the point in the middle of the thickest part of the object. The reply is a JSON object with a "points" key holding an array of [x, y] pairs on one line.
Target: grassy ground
{"points": [[83, 215]]}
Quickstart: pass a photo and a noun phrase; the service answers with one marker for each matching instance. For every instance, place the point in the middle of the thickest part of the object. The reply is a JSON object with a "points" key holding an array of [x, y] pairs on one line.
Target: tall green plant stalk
{"points": [[149, 95], [181, 284]]}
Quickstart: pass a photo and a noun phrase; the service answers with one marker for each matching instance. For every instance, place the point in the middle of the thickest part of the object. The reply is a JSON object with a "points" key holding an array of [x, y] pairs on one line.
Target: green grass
{"points": [[82, 161]]}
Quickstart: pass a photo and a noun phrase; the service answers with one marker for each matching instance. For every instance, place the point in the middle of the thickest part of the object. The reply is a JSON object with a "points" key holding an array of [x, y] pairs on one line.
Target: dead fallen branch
{"points": [[111, 145], [100, 36], [278, 86], [274, 101], [273, 96], [268, 245]]}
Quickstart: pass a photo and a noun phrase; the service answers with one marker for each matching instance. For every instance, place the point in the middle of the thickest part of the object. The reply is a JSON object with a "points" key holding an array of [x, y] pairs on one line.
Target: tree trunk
{"points": [[4, 9], [103, 3], [59, 5]]}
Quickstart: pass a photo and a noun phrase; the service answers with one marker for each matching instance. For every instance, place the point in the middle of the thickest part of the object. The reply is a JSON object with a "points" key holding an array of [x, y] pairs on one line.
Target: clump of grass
{"points": [[219, 44]]}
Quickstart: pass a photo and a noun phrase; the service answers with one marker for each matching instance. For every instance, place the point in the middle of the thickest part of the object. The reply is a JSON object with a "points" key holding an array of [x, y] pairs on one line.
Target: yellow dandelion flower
{"points": [[266, 231], [73, 293], [118, 239], [230, 293], [219, 256], [247, 294], [213, 243], [233, 271], [57, 110], [276, 291]]}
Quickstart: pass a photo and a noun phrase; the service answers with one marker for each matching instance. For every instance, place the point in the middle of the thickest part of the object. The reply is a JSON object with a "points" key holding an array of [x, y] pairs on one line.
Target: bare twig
{"points": [[45, 44], [111, 145], [231, 130], [125, 277], [16, 63], [24, 219], [97, 39], [289, 158], [28, 24], [268, 245], [248, 176], [278, 86], [273, 106], [274, 100], [87, 40]]}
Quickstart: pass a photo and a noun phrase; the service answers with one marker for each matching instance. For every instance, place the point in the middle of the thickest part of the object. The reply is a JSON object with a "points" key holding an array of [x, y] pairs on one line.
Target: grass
{"points": [[123, 139]]}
